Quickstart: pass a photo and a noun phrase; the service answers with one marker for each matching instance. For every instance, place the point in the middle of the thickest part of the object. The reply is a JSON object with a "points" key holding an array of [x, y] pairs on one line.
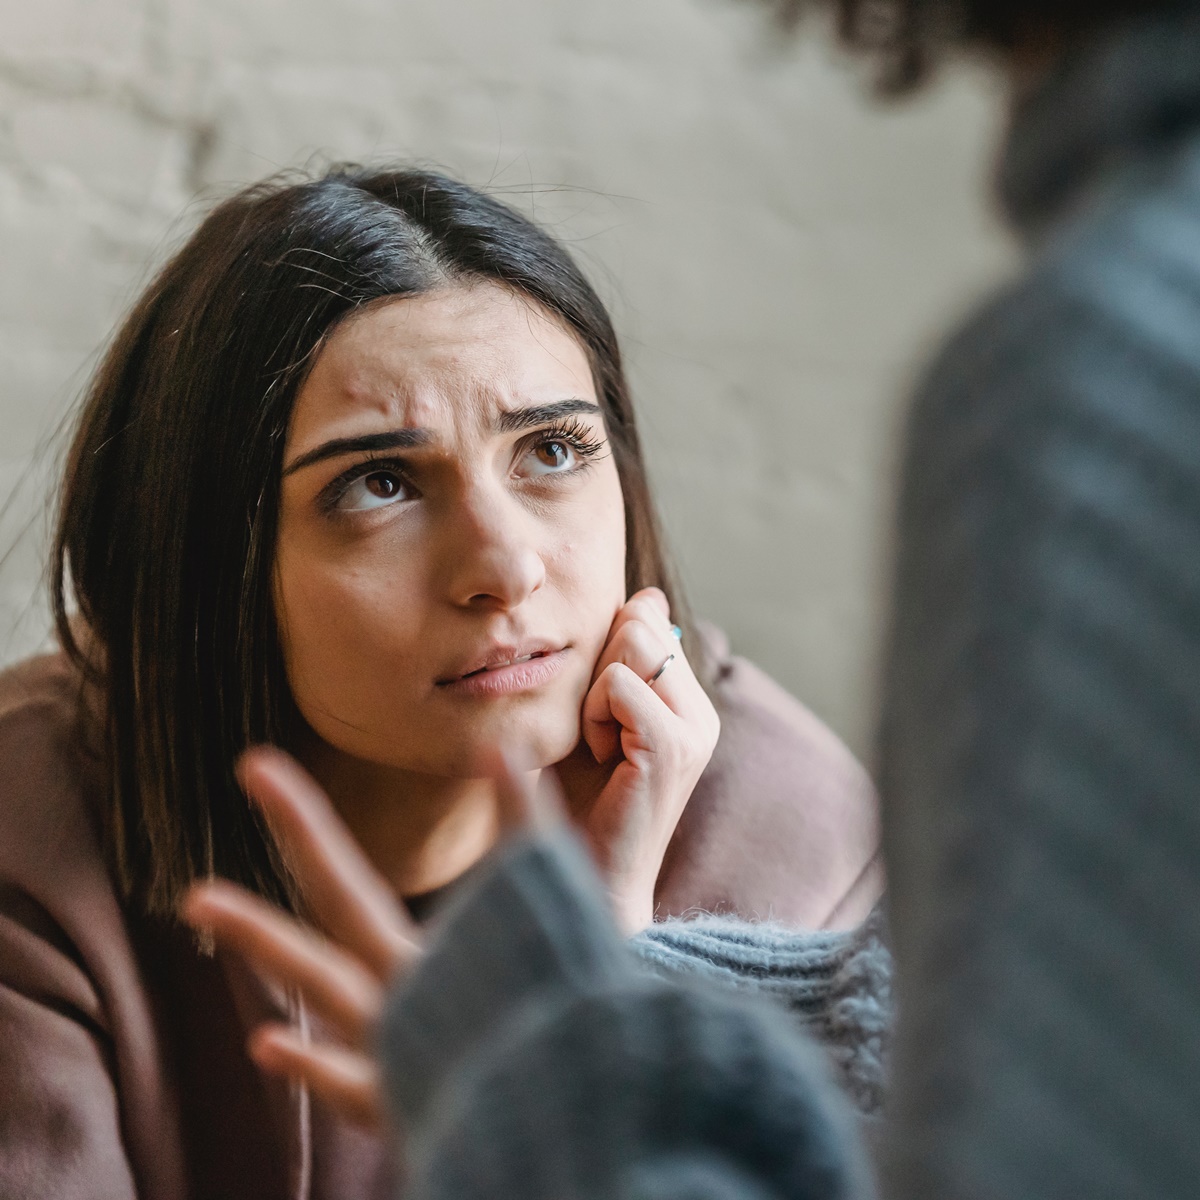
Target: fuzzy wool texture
{"points": [[1040, 753], [835, 985], [534, 1054]]}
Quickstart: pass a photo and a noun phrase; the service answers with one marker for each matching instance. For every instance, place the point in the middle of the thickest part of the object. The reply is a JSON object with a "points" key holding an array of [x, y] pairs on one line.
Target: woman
{"points": [[359, 477]]}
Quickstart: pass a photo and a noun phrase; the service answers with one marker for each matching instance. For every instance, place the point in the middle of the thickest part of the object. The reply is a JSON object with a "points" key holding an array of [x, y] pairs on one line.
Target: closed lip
{"points": [[507, 677]]}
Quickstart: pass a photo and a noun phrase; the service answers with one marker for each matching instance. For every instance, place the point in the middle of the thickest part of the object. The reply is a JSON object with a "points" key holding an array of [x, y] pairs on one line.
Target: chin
{"points": [[540, 747], [467, 747]]}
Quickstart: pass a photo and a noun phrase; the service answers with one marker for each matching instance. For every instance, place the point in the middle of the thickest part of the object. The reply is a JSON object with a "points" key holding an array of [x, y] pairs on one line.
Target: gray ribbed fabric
{"points": [[534, 925], [837, 986], [532, 1056], [1040, 758], [626, 1092]]}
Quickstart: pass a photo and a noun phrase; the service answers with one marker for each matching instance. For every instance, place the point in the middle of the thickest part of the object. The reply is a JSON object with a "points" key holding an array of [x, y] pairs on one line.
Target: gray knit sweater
{"points": [[835, 986], [1040, 762], [1040, 766], [534, 1055]]}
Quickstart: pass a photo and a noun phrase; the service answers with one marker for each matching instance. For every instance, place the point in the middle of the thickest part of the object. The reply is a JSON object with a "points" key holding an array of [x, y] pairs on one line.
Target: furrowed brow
{"points": [[393, 439], [541, 414]]}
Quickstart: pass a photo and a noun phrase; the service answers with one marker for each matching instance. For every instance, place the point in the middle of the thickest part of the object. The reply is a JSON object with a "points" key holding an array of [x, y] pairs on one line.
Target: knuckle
{"points": [[635, 637], [643, 608], [645, 612], [614, 673], [646, 646]]}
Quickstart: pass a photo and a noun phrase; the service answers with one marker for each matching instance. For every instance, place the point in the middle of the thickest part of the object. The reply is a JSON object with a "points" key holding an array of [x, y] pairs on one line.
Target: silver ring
{"points": [[666, 662]]}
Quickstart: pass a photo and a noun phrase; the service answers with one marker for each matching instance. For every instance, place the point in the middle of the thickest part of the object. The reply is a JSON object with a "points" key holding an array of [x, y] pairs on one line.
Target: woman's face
{"points": [[449, 505]]}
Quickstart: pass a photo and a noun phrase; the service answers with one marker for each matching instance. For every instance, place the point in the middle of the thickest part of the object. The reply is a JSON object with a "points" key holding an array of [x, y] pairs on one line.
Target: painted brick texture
{"points": [[776, 248]]}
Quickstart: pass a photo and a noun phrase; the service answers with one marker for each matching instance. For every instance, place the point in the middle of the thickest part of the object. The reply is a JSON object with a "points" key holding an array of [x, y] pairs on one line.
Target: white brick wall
{"points": [[777, 250]]}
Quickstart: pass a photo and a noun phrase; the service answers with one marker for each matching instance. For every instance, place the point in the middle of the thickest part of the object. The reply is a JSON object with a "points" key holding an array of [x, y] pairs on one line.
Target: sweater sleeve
{"points": [[836, 986], [1040, 737], [533, 925], [530, 1056]]}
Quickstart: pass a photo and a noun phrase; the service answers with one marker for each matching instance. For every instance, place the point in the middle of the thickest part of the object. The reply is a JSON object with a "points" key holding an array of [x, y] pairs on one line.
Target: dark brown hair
{"points": [[909, 37], [169, 506]]}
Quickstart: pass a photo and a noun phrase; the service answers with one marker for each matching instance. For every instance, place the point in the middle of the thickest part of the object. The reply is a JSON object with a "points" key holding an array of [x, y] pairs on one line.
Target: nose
{"points": [[493, 558]]}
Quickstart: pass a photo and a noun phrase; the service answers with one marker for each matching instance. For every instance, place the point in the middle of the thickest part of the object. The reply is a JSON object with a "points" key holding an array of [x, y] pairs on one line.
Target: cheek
{"points": [[590, 562], [344, 629]]}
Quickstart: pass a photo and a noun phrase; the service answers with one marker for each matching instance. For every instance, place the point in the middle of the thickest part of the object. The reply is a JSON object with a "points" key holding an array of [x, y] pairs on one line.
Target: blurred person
{"points": [[360, 477], [1040, 738], [1040, 744]]}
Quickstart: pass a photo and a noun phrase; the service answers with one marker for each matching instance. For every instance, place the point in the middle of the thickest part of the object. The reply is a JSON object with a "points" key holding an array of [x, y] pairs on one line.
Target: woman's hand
{"points": [[649, 742], [342, 976]]}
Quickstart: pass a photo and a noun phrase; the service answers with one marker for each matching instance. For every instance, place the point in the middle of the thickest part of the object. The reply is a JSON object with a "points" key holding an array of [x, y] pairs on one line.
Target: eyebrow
{"points": [[406, 439], [393, 439], [539, 414]]}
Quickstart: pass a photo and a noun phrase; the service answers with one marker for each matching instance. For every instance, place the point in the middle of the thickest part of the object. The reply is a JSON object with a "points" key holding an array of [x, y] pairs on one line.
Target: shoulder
{"points": [[784, 822], [55, 893], [1109, 305], [1068, 396], [77, 1032], [50, 772]]}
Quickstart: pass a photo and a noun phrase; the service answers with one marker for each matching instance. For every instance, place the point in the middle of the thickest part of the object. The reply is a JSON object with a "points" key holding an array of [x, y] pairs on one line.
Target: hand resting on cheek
{"points": [[643, 747]]}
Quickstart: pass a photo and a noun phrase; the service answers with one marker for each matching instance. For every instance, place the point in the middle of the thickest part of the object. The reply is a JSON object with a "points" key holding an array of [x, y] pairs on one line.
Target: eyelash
{"points": [[575, 433], [330, 496]]}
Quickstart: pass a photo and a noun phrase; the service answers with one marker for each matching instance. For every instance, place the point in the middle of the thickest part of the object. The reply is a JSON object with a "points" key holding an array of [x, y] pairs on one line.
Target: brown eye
{"points": [[374, 490], [554, 456], [383, 485]]}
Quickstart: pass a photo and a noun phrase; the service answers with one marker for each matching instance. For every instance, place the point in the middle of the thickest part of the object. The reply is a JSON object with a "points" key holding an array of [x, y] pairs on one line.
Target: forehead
{"points": [[453, 357]]}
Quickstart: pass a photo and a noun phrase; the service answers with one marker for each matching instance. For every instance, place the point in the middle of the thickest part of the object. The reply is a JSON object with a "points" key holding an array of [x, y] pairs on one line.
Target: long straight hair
{"points": [[170, 503]]}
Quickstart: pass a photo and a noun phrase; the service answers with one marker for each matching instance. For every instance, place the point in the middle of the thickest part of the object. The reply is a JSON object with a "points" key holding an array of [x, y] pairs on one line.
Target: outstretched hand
{"points": [[363, 937], [645, 742]]}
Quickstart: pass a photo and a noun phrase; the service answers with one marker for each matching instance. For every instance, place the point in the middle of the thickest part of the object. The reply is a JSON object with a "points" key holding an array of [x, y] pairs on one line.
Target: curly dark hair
{"points": [[909, 37]]}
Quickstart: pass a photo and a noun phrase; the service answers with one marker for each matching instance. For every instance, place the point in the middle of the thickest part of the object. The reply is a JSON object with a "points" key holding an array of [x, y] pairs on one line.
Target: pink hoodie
{"points": [[122, 1065]]}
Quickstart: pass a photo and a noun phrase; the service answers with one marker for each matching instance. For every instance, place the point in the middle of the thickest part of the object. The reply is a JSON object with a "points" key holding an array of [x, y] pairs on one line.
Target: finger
{"points": [[339, 988], [637, 708], [347, 895], [649, 606], [621, 703], [527, 801], [657, 597], [647, 651], [638, 644], [346, 1081], [599, 729]]}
